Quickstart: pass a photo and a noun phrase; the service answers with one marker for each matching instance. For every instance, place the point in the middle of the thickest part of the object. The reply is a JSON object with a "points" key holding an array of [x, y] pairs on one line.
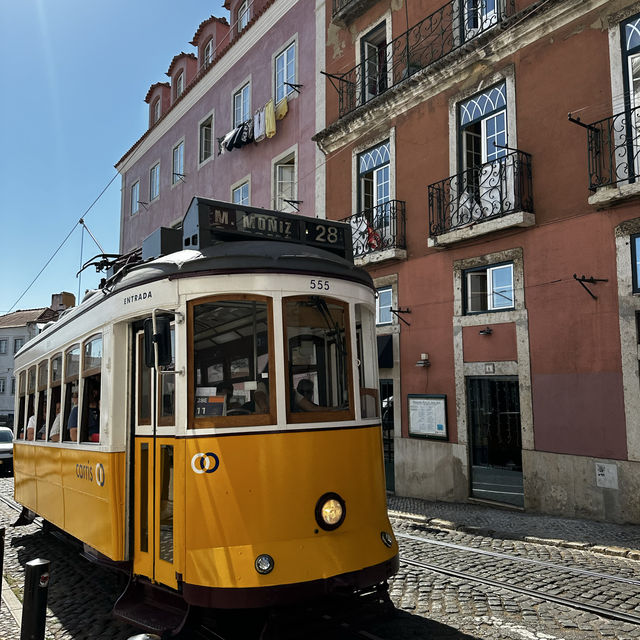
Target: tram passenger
{"points": [[93, 416], [260, 401], [303, 397], [31, 427], [226, 389], [72, 423], [54, 433]]}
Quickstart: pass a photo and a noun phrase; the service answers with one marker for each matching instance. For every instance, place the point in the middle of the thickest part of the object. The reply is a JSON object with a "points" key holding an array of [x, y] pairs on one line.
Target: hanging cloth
{"points": [[281, 108], [259, 132], [270, 119], [224, 144]]}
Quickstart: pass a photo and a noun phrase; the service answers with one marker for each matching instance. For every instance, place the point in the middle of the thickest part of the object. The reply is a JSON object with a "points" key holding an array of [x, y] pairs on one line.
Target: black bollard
{"points": [[1, 557], [34, 605]]}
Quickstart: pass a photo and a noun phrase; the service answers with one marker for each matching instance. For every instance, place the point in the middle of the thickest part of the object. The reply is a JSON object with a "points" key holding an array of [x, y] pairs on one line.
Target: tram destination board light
{"points": [[208, 222]]}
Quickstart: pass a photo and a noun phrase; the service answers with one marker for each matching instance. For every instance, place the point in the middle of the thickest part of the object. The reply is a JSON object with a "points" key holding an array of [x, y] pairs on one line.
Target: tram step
{"points": [[152, 608]]}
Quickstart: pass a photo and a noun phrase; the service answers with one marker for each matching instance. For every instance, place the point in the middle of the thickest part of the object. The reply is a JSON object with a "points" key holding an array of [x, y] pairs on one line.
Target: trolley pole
{"points": [[34, 606]]}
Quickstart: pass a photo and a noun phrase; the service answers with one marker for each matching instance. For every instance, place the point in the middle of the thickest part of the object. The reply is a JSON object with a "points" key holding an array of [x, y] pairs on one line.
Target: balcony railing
{"points": [[348, 9], [614, 150], [492, 190], [432, 38], [379, 228]]}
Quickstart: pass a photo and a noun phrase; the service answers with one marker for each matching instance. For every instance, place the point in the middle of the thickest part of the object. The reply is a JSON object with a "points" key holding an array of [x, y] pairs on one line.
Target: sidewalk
{"points": [[603, 537], [10, 613]]}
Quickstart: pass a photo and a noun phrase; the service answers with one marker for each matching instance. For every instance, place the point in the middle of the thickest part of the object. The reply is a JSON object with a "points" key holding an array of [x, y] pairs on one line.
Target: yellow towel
{"points": [[270, 119], [281, 108]]}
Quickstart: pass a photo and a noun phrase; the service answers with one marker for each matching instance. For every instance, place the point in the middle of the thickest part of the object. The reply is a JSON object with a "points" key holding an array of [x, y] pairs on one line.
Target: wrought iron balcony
{"points": [[378, 229], [345, 10], [432, 38], [614, 150], [491, 190]]}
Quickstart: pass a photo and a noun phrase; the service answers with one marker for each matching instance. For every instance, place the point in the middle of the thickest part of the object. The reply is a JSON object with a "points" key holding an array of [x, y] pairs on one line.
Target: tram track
{"points": [[539, 593]]}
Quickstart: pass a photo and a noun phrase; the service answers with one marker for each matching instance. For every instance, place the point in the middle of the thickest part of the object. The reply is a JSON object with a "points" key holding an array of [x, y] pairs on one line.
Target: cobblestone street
{"points": [[429, 604]]}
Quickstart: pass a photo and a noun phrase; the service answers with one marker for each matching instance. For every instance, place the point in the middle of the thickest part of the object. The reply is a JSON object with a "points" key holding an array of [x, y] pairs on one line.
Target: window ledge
{"points": [[380, 256], [605, 196], [474, 229]]}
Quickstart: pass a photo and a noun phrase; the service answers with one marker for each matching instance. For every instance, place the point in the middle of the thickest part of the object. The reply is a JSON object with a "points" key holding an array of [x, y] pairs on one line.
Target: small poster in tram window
{"points": [[428, 415], [208, 403]]}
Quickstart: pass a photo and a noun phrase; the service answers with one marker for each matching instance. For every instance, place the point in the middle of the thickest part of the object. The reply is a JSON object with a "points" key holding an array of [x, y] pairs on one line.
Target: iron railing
{"points": [[614, 149], [423, 44], [489, 191], [379, 228], [348, 8]]}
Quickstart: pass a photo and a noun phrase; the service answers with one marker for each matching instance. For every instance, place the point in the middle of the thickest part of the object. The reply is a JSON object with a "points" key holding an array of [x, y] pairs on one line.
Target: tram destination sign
{"points": [[208, 222]]}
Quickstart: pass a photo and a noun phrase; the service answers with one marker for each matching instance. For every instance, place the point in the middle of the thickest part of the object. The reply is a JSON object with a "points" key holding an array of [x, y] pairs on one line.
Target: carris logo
{"points": [[205, 462]]}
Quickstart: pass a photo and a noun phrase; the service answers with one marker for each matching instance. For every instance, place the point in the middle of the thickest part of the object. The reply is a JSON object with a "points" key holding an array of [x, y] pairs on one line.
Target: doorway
{"points": [[495, 440]]}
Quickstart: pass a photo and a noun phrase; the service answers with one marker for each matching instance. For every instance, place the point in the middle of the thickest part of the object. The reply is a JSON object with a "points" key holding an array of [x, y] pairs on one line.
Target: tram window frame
{"points": [[42, 387], [224, 421], [31, 401], [91, 377], [331, 414], [55, 386], [69, 380], [143, 371], [367, 360], [165, 378], [22, 396]]}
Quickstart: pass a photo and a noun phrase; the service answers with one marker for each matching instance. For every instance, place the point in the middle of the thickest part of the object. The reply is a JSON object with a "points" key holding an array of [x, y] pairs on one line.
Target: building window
{"points": [[383, 306], [206, 139], [156, 110], [178, 163], [3, 346], [17, 344], [135, 197], [3, 385], [13, 386], [374, 62], [489, 288], [241, 105], [154, 182], [479, 15], [635, 259], [240, 195], [179, 84], [285, 72], [285, 184], [207, 55], [243, 16]]}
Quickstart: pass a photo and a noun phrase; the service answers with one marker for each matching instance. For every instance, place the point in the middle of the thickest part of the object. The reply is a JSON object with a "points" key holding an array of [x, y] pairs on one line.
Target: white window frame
{"points": [[242, 95], [17, 347], [3, 385], [237, 189], [207, 53], [386, 19], [280, 90], [156, 110], [156, 168], [380, 307], [3, 346], [179, 85], [487, 274], [276, 196], [134, 200], [179, 167], [201, 124], [243, 16]]}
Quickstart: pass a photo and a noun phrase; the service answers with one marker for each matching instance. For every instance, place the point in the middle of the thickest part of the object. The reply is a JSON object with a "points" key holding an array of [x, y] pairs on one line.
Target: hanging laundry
{"points": [[259, 132], [270, 119], [237, 138], [281, 108], [224, 144], [247, 132]]}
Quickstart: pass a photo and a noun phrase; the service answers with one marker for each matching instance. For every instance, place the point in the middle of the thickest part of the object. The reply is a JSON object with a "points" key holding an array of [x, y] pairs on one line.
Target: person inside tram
{"points": [[72, 422], [303, 397], [31, 427], [226, 389], [93, 416], [54, 433], [260, 401]]}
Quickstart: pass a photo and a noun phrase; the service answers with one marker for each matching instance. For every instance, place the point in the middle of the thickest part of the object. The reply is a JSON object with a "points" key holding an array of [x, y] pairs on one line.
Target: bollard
{"points": [[1, 558], [34, 605]]}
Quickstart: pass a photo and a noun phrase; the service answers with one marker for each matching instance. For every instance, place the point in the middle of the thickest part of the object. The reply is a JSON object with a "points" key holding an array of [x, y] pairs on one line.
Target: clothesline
{"points": [[260, 126]]}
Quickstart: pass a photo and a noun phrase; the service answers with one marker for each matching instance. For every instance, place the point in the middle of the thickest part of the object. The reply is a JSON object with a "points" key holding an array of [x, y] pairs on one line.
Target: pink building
{"points": [[234, 122]]}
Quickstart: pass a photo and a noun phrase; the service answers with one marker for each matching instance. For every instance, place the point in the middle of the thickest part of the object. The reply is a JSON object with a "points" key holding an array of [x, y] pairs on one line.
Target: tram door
{"points": [[155, 462]]}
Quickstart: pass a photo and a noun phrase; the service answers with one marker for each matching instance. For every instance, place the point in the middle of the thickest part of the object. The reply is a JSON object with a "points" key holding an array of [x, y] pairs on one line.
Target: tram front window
{"points": [[318, 358], [231, 351]]}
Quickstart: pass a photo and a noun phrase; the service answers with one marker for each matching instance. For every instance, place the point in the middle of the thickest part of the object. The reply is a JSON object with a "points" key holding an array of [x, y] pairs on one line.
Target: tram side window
{"points": [[56, 398], [231, 351], [22, 386], [318, 360], [71, 374], [144, 385], [91, 367], [367, 366], [41, 415], [30, 431]]}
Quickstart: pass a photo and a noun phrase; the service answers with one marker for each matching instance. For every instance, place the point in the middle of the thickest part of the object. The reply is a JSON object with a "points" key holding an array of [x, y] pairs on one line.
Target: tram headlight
{"points": [[330, 511], [264, 563]]}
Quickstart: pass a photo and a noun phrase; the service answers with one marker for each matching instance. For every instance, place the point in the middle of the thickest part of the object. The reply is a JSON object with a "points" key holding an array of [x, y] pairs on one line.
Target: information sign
{"points": [[428, 415]]}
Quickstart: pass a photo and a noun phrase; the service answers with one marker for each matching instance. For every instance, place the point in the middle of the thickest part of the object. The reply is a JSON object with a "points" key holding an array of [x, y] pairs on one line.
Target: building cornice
{"points": [[482, 53]]}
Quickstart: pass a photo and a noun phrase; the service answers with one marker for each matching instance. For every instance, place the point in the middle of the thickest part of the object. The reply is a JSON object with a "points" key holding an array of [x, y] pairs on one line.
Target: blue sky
{"points": [[75, 75]]}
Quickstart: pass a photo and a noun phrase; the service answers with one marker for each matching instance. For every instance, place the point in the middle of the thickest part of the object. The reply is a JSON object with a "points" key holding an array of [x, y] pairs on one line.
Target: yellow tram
{"points": [[210, 417]]}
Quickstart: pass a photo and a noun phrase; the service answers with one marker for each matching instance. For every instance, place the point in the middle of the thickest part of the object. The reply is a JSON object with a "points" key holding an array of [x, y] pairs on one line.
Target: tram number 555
{"points": [[319, 285]]}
